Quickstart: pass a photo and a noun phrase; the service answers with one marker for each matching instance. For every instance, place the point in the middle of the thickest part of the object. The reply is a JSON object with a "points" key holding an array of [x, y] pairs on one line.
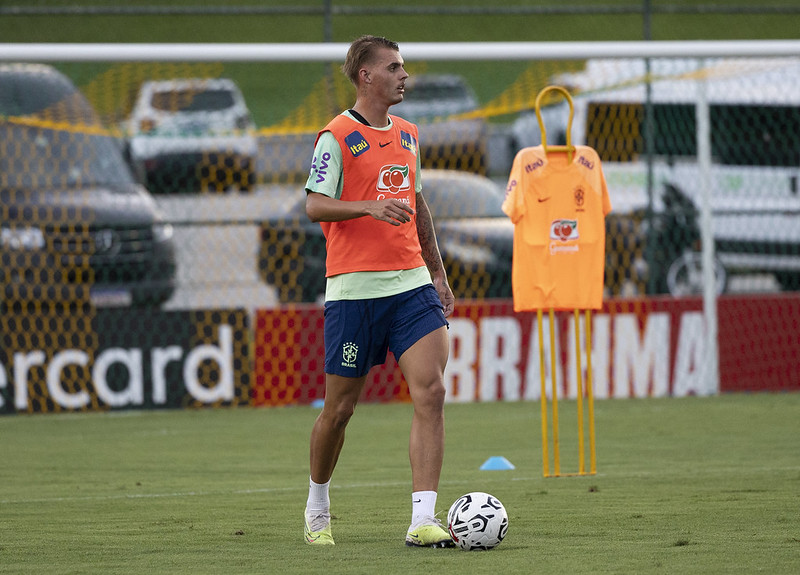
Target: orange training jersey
{"points": [[558, 210], [376, 164]]}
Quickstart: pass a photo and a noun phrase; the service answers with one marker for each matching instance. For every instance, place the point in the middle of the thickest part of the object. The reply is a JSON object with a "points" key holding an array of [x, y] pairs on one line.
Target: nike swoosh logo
{"points": [[418, 501], [384, 145], [540, 200]]}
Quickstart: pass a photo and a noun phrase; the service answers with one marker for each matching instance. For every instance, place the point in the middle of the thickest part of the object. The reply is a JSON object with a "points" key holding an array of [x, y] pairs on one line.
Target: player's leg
{"points": [[350, 352], [327, 435], [423, 368], [327, 439], [420, 343]]}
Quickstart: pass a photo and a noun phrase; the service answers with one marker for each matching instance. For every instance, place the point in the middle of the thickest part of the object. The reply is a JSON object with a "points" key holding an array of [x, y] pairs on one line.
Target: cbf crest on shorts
{"points": [[349, 354]]}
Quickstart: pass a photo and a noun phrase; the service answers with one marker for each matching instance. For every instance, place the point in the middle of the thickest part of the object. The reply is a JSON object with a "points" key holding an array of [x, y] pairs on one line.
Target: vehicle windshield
{"points": [[44, 96], [432, 92], [38, 157], [192, 100], [456, 199]]}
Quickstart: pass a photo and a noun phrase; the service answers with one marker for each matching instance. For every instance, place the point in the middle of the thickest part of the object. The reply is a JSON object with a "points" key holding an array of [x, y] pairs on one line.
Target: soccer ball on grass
{"points": [[477, 521]]}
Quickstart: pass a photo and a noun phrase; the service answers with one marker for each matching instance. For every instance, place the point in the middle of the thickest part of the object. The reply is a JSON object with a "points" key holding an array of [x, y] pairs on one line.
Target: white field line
{"points": [[180, 494], [378, 484]]}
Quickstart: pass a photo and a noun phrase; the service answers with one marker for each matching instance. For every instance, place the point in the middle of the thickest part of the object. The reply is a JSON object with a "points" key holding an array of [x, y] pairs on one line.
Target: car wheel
{"points": [[685, 275]]}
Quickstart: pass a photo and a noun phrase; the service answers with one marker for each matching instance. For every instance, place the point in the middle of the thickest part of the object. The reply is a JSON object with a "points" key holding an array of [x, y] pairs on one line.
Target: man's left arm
{"points": [[432, 256]]}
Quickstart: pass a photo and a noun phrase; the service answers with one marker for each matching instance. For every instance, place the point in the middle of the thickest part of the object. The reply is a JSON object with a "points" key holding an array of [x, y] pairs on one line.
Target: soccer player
{"points": [[386, 286]]}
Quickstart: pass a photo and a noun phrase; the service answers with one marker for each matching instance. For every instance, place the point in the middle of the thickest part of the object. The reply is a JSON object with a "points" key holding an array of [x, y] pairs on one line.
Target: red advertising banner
{"points": [[759, 341], [290, 357], [650, 347]]}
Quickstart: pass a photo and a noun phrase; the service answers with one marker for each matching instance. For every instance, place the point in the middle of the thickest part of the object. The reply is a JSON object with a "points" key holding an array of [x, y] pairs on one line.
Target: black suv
{"points": [[75, 227]]}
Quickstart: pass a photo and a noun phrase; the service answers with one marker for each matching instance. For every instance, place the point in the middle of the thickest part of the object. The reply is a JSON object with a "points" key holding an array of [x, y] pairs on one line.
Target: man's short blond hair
{"points": [[362, 51]]}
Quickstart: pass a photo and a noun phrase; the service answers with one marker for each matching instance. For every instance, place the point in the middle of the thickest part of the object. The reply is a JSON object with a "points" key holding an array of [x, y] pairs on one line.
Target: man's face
{"points": [[387, 76]]}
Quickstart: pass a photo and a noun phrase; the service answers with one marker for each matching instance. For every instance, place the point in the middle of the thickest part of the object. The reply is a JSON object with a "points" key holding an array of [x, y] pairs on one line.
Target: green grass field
{"points": [[697, 485]]}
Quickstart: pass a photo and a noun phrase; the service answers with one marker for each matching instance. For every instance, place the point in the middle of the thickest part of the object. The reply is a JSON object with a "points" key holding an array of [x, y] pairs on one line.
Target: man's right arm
{"points": [[322, 208], [324, 188]]}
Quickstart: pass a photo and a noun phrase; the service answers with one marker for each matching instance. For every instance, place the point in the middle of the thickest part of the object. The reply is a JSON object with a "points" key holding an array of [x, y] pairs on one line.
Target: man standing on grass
{"points": [[386, 286]]}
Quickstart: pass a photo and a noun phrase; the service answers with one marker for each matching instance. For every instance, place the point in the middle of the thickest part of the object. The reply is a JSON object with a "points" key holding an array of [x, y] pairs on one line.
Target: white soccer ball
{"points": [[477, 521]]}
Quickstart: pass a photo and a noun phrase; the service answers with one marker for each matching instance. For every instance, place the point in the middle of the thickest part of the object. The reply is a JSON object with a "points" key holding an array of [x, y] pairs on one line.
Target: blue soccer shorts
{"points": [[358, 333]]}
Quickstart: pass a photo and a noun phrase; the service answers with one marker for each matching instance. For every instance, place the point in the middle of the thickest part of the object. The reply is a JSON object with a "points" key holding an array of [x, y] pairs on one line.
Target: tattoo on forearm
{"points": [[427, 237]]}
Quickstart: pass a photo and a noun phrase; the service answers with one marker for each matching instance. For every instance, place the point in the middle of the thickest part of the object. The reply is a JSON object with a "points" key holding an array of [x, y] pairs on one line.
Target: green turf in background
{"points": [[272, 91], [695, 485]]}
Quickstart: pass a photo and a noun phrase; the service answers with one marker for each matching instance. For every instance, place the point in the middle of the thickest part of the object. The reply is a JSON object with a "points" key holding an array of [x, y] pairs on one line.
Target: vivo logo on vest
{"points": [[321, 167]]}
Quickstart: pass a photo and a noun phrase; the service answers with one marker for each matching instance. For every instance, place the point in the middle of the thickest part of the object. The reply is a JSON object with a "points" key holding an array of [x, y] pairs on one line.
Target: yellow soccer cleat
{"points": [[429, 534], [321, 534]]}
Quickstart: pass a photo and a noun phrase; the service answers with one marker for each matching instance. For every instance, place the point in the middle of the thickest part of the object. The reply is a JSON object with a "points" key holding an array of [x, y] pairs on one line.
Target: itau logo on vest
{"points": [[408, 141], [356, 143], [393, 179]]}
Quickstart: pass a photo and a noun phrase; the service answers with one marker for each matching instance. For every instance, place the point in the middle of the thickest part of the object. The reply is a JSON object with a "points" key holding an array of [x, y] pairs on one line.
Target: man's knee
{"points": [[431, 396], [338, 415]]}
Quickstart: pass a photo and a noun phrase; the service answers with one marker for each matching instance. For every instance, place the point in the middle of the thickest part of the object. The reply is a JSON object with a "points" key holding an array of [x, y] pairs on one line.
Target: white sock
{"points": [[423, 507], [318, 498]]}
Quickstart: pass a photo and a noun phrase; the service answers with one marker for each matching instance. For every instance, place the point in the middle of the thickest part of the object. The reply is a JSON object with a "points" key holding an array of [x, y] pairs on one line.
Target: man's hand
{"points": [[445, 294], [391, 211], [321, 208]]}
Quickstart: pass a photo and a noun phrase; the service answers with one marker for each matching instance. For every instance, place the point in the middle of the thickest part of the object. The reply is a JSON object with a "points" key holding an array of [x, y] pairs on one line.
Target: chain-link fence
{"points": [[170, 189], [150, 186]]}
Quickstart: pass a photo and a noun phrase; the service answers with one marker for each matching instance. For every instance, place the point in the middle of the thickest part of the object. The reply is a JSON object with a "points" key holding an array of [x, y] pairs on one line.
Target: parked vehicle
{"points": [[191, 135], [754, 109], [476, 238], [474, 234], [658, 252], [75, 227], [429, 97], [437, 103]]}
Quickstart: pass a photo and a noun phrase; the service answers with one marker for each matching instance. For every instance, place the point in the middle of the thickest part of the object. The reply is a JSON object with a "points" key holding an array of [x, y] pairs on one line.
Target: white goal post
{"points": [[451, 51]]}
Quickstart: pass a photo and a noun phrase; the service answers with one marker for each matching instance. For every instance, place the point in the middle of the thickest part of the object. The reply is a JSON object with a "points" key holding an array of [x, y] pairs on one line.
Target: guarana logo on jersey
{"points": [[408, 142], [393, 179], [564, 230], [356, 143]]}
